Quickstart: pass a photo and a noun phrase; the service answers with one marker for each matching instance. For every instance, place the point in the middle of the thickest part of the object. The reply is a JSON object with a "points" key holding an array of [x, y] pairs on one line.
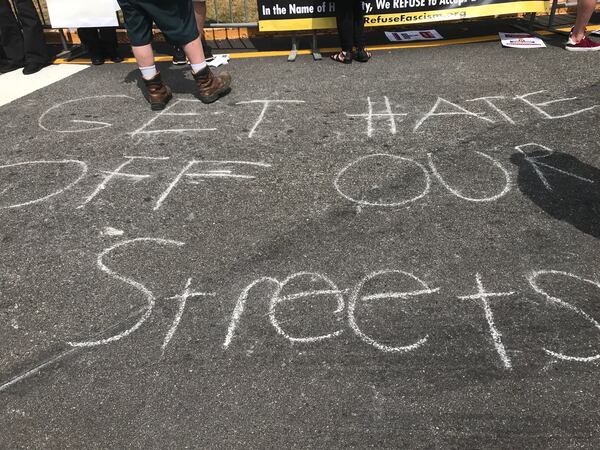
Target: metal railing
{"points": [[238, 13], [220, 13], [43, 12]]}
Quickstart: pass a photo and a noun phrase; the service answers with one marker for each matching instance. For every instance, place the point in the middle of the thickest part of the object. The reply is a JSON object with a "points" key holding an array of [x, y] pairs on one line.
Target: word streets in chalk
{"points": [[348, 304]]}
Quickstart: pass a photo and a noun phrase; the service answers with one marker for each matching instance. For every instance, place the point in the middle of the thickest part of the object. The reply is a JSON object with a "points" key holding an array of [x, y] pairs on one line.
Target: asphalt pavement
{"points": [[402, 253]]}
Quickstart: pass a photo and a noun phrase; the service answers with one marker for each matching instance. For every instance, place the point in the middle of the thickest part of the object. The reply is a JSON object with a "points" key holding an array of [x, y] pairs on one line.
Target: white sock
{"points": [[148, 72], [199, 67]]}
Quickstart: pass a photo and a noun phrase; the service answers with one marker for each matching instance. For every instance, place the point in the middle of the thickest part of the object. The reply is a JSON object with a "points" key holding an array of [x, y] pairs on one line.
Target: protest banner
{"points": [[295, 15]]}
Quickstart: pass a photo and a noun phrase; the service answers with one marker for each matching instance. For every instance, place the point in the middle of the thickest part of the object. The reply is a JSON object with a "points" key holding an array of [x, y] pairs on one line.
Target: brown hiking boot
{"points": [[159, 94], [211, 87]]}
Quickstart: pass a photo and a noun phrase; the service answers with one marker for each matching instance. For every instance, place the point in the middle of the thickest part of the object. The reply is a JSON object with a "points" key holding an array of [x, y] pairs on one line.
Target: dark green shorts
{"points": [[175, 18]]}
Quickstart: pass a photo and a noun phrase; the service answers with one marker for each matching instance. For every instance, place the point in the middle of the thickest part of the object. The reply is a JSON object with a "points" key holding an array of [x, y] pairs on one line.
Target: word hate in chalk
{"points": [[445, 108]]}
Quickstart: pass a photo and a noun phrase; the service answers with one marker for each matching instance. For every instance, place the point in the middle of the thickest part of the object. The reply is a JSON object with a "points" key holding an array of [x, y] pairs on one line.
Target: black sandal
{"points": [[342, 57], [362, 55]]}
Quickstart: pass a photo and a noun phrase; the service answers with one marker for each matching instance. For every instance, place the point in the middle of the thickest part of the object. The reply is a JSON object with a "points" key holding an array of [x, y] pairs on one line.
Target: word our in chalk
{"points": [[345, 178], [288, 290]]}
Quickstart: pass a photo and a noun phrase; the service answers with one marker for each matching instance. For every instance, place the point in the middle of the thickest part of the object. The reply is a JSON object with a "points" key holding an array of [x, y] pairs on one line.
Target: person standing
{"points": [[101, 43], [200, 13], [578, 39], [22, 39], [175, 18], [351, 29]]}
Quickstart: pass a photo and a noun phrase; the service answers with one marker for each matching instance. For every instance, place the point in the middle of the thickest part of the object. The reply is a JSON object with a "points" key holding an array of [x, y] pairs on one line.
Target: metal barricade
{"points": [[45, 19], [220, 13], [232, 13]]}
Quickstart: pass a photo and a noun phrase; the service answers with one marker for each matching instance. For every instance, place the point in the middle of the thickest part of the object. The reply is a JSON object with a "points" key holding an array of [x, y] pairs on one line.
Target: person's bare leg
{"points": [[585, 9], [194, 52], [144, 55], [200, 12]]}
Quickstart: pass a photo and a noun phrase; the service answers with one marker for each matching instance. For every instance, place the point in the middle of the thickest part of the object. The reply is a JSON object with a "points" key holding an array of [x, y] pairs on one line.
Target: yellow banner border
{"points": [[323, 23]]}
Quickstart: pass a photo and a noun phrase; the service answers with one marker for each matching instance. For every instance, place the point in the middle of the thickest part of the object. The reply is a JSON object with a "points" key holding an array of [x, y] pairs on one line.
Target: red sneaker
{"points": [[584, 45]]}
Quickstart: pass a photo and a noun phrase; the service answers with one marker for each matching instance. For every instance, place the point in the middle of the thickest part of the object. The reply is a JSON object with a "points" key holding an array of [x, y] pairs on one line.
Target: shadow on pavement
{"points": [[564, 187], [178, 78]]}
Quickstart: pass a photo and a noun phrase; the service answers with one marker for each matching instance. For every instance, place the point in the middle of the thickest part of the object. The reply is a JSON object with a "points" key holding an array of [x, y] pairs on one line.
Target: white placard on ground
{"points": [[521, 40], [219, 60], [14, 85], [82, 13], [414, 35]]}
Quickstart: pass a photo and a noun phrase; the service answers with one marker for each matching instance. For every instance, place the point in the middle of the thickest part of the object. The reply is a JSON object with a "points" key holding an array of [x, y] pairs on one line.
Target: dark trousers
{"points": [[350, 23], [175, 18], [100, 42], [22, 40]]}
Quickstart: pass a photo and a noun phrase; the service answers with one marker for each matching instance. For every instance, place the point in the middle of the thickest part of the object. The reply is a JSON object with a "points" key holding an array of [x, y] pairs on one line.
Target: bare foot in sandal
{"points": [[362, 55], [342, 57]]}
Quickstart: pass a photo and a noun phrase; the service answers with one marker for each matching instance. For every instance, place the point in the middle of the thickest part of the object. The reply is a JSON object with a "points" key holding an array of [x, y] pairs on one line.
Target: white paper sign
{"points": [[415, 35], [521, 40], [82, 13], [218, 60]]}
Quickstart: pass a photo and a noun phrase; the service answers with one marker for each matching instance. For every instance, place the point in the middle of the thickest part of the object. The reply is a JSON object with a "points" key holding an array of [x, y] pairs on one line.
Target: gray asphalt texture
{"points": [[452, 389]]}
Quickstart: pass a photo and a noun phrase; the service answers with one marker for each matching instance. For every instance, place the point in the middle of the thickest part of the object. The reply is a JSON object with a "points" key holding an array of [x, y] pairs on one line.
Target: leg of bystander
{"points": [[578, 40]]}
